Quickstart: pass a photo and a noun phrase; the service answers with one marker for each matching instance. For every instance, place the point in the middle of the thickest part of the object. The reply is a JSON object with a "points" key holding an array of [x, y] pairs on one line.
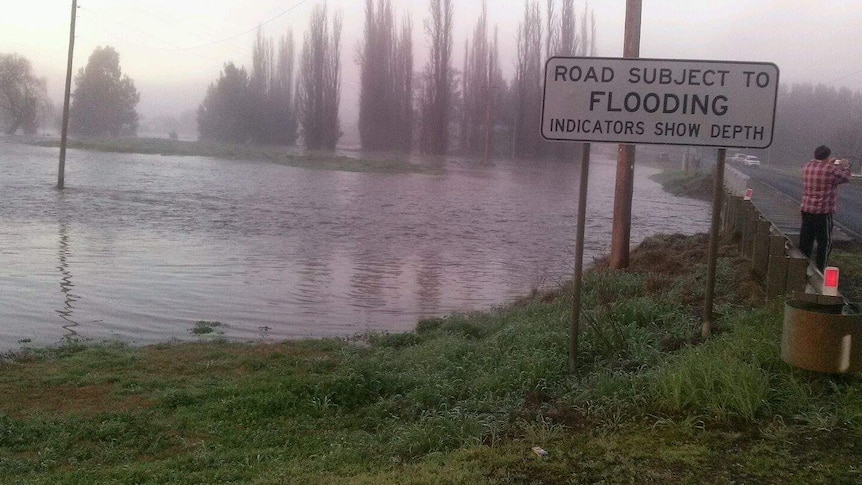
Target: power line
{"points": [[207, 44], [844, 77], [226, 39]]}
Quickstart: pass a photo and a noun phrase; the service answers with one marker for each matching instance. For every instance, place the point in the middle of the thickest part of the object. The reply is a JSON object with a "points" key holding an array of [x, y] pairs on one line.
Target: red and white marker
{"points": [[748, 193], [830, 281]]}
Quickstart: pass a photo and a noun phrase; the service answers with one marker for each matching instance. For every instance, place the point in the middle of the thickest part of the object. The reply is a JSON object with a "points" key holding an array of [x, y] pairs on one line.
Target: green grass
{"points": [[381, 163], [847, 256], [463, 399]]}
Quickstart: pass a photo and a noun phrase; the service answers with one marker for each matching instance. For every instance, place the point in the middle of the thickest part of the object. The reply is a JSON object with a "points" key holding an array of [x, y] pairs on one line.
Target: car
{"points": [[751, 161], [739, 158]]}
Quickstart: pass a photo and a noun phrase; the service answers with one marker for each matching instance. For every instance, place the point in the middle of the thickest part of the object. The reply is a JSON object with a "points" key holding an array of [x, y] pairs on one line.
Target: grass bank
{"points": [[381, 163], [678, 182], [463, 399]]}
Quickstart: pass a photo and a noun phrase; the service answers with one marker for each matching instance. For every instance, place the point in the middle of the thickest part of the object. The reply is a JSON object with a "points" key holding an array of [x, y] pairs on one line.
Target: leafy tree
{"points": [[224, 113], [104, 99], [23, 96], [319, 89]]}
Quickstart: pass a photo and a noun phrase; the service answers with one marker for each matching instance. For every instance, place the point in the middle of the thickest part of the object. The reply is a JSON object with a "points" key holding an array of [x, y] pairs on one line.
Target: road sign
{"points": [[658, 101]]}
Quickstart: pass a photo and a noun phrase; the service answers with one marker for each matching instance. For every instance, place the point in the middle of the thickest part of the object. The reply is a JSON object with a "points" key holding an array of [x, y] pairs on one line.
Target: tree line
{"points": [[437, 109], [103, 102], [808, 116]]}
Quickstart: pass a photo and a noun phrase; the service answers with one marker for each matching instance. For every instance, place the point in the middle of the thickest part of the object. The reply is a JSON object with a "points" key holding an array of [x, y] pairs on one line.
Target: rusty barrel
{"points": [[821, 337]]}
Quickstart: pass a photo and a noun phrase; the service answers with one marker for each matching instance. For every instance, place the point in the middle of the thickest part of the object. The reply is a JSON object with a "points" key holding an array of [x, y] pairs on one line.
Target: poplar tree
{"points": [[437, 91], [319, 88], [528, 84], [481, 82], [561, 37], [386, 64]]}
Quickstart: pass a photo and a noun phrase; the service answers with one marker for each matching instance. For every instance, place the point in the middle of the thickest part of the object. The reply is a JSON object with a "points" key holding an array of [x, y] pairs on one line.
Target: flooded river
{"points": [[139, 248]]}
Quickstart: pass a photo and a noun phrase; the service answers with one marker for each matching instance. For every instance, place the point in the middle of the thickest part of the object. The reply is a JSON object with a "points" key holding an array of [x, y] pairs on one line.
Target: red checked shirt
{"points": [[820, 180]]}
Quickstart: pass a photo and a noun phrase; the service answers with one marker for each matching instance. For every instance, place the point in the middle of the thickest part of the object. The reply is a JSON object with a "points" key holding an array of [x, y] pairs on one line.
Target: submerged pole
{"points": [[574, 326], [61, 177]]}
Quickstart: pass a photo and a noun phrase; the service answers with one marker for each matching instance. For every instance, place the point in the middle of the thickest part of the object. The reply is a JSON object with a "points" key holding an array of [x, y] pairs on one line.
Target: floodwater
{"points": [[139, 248]]}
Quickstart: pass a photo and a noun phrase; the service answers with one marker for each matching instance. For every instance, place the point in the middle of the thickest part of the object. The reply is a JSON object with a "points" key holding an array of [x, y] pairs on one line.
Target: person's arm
{"points": [[841, 172]]}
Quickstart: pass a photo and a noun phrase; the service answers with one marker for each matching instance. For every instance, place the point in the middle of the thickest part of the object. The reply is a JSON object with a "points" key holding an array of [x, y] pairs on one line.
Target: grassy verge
{"points": [[678, 182], [463, 399], [274, 154], [846, 256]]}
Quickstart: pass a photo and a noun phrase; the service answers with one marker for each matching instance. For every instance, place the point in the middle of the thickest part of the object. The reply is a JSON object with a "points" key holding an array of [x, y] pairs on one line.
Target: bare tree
{"points": [[319, 89], [23, 96], [437, 93]]}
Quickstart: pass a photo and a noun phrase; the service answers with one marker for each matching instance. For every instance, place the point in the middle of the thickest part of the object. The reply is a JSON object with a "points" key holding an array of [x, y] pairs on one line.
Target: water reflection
{"points": [[66, 285], [429, 279]]}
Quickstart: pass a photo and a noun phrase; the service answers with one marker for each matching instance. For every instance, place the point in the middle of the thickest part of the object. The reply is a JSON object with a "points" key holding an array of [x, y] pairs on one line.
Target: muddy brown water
{"points": [[139, 248]]}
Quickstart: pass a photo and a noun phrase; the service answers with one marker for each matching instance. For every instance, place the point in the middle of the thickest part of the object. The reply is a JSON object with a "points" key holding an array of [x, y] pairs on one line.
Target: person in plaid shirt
{"points": [[820, 180]]}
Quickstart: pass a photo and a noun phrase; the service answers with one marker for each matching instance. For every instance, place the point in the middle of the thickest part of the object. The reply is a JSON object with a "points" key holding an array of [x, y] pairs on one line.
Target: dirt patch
{"points": [[71, 400]]}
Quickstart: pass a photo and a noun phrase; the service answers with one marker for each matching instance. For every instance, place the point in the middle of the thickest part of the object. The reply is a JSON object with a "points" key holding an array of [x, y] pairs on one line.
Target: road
{"points": [[849, 213]]}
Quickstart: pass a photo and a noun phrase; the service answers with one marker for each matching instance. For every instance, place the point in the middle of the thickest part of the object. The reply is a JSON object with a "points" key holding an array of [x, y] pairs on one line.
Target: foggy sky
{"points": [[174, 50]]}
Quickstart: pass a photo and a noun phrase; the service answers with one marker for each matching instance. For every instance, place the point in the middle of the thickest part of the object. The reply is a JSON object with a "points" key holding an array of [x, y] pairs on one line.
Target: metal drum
{"points": [[822, 337]]}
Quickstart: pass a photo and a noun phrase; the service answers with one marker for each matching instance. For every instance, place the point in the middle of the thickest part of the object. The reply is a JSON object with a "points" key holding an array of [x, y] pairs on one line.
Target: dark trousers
{"points": [[816, 227]]}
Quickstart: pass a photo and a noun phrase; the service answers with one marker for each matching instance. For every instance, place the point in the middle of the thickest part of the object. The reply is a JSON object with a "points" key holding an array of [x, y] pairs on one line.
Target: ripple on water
{"points": [[141, 248]]}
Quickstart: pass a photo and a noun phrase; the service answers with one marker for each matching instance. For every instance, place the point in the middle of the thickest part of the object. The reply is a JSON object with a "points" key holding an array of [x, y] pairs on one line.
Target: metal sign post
{"points": [[712, 257], [574, 326]]}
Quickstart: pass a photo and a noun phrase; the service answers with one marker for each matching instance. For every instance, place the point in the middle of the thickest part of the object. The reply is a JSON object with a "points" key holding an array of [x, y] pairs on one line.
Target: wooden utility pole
{"points": [[61, 177], [622, 223]]}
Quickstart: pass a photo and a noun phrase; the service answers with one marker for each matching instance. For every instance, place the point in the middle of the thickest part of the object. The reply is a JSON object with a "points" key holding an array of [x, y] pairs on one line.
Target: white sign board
{"points": [[657, 101]]}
